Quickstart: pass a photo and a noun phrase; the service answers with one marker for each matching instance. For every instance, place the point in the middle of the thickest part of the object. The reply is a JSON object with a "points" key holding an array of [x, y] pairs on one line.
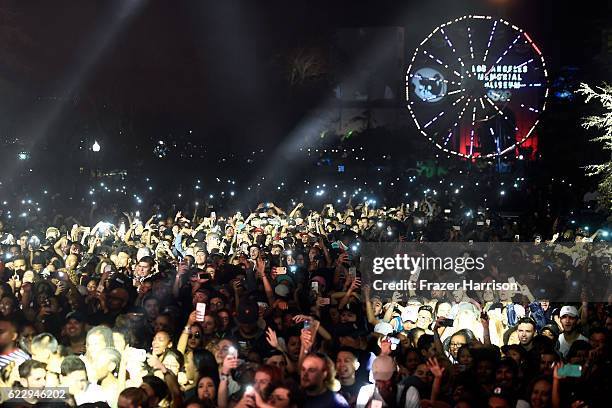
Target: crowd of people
{"points": [[270, 309]]}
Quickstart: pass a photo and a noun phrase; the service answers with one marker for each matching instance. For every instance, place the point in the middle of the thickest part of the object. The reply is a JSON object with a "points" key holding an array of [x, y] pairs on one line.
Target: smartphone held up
{"points": [[200, 311]]}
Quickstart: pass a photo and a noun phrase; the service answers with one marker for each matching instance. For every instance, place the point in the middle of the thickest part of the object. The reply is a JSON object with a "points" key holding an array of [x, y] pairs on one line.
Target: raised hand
{"points": [[61, 288], [355, 285], [154, 363], [556, 368], [307, 339], [247, 400], [272, 338], [321, 302], [438, 322], [260, 265], [74, 232], [182, 268], [236, 284], [192, 318], [484, 319], [281, 304], [230, 362], [343, 258], [301, 318], [434, 367]]}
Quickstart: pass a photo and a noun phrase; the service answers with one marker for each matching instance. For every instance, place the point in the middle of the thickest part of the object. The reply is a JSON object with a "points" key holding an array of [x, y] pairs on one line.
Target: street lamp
{"points": [[96, 146]]}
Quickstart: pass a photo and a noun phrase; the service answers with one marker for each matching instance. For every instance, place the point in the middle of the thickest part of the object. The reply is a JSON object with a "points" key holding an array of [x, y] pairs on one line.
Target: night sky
{"points": [[219, 67]]}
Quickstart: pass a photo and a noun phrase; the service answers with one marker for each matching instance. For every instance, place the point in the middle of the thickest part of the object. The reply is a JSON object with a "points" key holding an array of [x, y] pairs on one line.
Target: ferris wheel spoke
{"points": [[496, 108], [502, 114], [525, 63], [469, 33], [503, 54], [441, 63], [442, 113], [489, 42], [452, 47], [473, 129], [529, 108], [455, 91], [481, 103], [496, 140], [450, 133], [438, 116], [484, 110], [456, 123], [463, 111]]}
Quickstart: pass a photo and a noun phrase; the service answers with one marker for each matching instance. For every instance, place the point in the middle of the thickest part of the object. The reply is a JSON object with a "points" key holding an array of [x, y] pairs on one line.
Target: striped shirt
{"points": [[17, 355]]}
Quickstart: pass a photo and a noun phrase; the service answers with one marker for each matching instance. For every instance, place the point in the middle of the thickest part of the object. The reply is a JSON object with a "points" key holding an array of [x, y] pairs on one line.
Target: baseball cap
{"points": [[76, 316], [284, 278], [383, 368], [248, 312], [383, 328], [38, 260], [568, 310], [141, 253], [410, 314], [200, 236], [281, 290]]}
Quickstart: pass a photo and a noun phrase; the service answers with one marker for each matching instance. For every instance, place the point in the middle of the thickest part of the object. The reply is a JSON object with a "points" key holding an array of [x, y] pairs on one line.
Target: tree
{"points": [[603, 122], [305, 64]]}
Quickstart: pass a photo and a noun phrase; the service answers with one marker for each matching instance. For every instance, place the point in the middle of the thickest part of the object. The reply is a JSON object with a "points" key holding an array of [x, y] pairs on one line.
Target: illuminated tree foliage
{"points": [[305, 64], [602, 122]]}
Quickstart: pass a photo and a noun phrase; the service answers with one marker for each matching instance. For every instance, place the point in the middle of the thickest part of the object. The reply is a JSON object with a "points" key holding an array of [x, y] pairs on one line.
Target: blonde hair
{"points": [[331, 383]]}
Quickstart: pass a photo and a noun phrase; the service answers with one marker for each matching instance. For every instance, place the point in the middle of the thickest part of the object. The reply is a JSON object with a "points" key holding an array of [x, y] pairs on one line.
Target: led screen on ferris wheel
{"points": [[475, 86]]}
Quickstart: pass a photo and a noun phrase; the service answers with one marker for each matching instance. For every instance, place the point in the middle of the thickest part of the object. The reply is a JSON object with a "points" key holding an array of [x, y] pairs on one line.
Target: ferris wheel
{"points": [[476, 86]]}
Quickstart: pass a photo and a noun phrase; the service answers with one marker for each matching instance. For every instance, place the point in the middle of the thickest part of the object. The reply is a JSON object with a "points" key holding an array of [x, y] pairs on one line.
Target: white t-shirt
{"points": [[93, 393], [564, 346], [368, 393]]}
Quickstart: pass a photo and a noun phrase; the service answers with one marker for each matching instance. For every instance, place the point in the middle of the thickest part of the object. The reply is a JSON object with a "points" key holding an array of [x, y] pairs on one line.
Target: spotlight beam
{"points": [[91, 50]]}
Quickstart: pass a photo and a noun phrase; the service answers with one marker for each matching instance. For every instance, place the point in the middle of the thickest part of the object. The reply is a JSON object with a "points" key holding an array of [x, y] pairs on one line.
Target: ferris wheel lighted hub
{"points": [[476, 86]]}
